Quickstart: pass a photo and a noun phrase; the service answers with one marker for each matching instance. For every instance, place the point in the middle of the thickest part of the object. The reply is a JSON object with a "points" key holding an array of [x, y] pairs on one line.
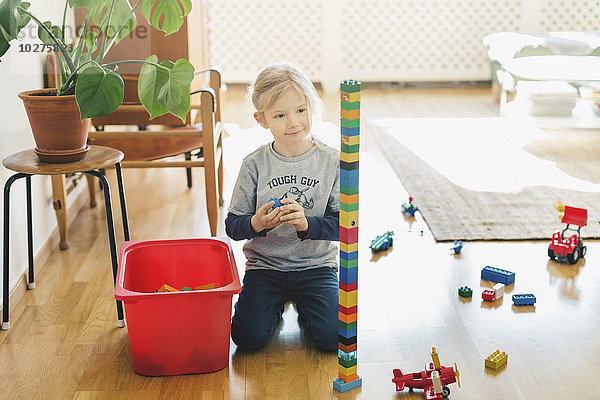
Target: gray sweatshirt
{"points": [[311, 179]]}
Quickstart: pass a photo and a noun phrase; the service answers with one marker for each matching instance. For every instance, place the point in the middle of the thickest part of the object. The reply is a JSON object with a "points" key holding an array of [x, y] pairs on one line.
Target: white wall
{"points": [[20, 71], [377, 40]]}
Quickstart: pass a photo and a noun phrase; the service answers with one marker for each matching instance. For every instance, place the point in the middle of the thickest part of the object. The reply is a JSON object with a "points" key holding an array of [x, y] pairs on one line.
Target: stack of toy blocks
{"points": [[347, 330]]}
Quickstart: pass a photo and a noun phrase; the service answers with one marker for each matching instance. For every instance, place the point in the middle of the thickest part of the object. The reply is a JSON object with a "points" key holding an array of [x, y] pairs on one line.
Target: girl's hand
{"points": [[293, 214], [265, 218]]}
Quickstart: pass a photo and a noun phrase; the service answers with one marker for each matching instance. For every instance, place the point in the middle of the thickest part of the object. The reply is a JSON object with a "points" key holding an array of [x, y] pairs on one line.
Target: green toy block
{"points": [[350, 123], [349, 190], [350, 86], [350, 148], [348, 207], [465, 291], [186, 289], [349, 263], [347, 326], [347, 363], [350, 105]]}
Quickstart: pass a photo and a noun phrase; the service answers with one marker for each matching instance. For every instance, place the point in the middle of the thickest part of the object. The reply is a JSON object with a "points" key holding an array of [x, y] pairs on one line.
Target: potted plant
{"points": [[88, 87]]}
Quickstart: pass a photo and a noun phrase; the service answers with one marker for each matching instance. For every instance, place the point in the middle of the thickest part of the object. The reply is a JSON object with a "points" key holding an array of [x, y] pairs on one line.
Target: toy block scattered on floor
{"points": [[523, 299], [488, 295], [496, 359], [465, 291], [499, 290], [494, 274]]}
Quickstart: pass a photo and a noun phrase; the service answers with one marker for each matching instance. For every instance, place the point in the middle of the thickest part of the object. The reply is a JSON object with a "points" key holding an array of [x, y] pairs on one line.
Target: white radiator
{"points": [[377, 40]]}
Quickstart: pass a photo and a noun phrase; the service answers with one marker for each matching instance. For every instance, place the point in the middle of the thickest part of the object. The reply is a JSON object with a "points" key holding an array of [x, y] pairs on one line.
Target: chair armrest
{"points": [[214, 77], [210, 91]]}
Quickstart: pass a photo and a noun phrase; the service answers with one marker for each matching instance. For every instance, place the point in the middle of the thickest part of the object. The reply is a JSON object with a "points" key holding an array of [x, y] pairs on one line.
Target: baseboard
{"points": [[74, 206]]}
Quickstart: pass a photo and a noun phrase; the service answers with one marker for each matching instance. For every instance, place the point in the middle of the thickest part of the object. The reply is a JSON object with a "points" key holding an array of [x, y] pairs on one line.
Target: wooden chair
{"points": [[154, 143]]}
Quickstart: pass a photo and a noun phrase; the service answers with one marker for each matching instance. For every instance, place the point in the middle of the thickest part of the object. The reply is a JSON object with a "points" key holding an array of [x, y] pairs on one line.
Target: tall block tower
{"points": [[348, 286]]}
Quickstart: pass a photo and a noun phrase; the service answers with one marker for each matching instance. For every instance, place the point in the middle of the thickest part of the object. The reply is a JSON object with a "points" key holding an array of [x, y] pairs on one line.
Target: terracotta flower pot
{"points": [[60, 135]]}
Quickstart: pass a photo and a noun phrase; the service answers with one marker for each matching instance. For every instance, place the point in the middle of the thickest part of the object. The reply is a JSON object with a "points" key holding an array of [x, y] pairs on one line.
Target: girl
{"points": [[289, 251]]}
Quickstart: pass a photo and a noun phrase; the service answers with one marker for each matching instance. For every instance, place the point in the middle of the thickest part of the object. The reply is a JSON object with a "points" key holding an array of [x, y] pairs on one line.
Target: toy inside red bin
{"points": [[569, 248]]}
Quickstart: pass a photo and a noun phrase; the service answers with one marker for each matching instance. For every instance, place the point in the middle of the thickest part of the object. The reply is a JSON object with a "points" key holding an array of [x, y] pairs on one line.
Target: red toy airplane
{"points": [[433, 380]]}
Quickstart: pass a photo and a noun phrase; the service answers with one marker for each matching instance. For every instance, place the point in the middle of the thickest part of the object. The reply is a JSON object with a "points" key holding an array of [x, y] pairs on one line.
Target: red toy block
{"points": [[348, 235], [348, 287], [489, 295]]}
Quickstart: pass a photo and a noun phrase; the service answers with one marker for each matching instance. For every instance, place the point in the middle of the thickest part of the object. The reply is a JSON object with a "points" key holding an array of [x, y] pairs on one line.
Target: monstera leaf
{"points": [[99, 14], [12, 20], [170, 9], [98, 91], [166, 90]]}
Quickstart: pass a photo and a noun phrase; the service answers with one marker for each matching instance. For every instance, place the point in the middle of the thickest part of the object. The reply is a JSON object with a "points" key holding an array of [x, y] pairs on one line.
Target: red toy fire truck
{"points": [[570, 248]]}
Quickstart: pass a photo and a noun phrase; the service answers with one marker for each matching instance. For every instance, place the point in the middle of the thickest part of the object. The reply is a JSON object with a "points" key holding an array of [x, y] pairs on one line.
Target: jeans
{"points": [[264, 293]]}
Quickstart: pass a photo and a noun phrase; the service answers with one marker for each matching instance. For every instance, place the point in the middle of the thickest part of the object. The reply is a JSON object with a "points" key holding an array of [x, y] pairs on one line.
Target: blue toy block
{"points": [[349, 178], [342, 386], [277, 202], [347, 333], [350, 131], [523, 299], [494, 274], [348, 256], [348, 275]]}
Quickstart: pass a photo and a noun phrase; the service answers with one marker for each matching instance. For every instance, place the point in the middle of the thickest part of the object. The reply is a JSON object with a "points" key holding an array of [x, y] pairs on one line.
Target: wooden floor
{"points": [[64, 342]]}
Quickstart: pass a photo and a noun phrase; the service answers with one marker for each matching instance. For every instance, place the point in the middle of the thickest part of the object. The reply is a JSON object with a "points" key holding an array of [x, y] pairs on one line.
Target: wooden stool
{"points": [[26, 163]]}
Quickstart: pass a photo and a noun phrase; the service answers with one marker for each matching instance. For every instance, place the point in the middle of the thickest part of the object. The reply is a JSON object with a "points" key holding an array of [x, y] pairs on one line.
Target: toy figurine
{"points": [[409, 209], [456, 247]]}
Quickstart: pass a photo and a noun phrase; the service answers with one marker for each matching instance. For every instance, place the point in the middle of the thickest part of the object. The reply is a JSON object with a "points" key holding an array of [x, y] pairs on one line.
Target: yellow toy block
{"points": [[346, 219], [349, 248], [350, 114], [350, 97], [347, 371], [349, 157], [348, 299], [350, 140], [496, 359]]}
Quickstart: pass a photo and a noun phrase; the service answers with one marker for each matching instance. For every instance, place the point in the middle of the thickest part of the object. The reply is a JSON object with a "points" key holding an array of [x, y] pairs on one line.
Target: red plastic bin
{"points": [[173, 333]]}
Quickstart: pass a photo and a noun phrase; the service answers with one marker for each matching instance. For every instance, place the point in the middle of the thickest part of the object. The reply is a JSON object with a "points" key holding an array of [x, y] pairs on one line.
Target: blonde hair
{"points": [[275, 79]]}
